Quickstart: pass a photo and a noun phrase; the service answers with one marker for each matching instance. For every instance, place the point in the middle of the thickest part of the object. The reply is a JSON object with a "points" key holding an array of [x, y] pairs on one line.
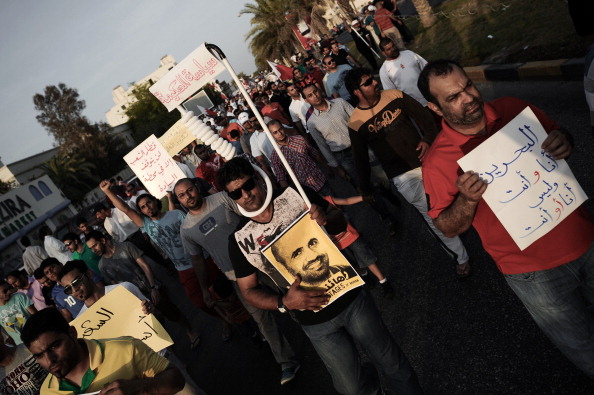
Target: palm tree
{"points": [[72, 174], [425, 12], [271, 34]]}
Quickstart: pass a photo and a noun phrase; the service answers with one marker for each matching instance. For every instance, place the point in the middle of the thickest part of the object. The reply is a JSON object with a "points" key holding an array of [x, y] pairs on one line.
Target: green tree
{"points": [[72, 174], [60, 113], [6, 186], [271, 34], [148, 115]]}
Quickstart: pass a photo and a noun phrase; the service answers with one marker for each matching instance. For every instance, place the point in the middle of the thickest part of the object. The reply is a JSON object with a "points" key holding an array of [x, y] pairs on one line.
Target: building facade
{"points": [[123, 97]]}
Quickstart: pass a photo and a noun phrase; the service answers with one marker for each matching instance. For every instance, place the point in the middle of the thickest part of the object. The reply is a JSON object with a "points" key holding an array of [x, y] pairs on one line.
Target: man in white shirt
{"points": [[54, 247], [32, 256], [297, 109], [401, 70]]}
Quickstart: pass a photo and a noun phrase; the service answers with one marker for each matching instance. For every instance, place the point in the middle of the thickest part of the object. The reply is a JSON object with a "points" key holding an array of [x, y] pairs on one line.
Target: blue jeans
{"points": [[558, 300], [346, 159], [361, 322]]}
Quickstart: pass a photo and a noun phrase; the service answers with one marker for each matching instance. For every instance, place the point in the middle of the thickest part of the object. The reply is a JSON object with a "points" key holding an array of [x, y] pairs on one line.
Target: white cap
{"points": [[243, 117], [354, 22], [371, 8]]}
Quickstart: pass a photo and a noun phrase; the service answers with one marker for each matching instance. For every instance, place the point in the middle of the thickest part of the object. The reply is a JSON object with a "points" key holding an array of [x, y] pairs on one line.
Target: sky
{"points": [[93, 46]]}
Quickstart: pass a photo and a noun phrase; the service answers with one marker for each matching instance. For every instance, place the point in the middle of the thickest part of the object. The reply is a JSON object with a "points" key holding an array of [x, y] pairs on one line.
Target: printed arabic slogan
{"points": [[304, 249], [529, 191], [176, 138], [191, 74], [154, 166], [119, 314]]}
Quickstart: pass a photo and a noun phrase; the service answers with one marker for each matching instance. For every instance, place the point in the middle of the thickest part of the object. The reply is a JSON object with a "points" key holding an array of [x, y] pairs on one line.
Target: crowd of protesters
{"points": [[331, 119]]}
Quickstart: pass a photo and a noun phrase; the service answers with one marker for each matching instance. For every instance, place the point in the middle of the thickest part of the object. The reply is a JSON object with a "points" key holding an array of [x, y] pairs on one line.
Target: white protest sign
{"points": [[529, 191], [191, 74], [154, 166]]}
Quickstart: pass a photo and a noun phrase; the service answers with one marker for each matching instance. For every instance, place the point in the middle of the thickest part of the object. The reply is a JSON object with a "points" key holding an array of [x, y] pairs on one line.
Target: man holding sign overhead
{"points": [[554, 275]]}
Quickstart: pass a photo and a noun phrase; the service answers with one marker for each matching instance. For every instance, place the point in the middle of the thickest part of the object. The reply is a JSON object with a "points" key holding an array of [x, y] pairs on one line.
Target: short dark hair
{"points": [[48, 262], [70, 236], [384, 41], [305, 87], [25, 241], [98, 207], [437, 68], [80, 220], [15, 273], [183, 181], [38, 273], [234, 133], [46, 320], [95, 235], [44, 231], [150, 197], [274, 122], [352, 79], [233, 170], [76, 264]]}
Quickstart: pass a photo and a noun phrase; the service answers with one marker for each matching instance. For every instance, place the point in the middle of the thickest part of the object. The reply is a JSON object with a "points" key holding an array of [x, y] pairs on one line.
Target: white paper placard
{"points": [[191, 74], [529, 192], [154, 166]]}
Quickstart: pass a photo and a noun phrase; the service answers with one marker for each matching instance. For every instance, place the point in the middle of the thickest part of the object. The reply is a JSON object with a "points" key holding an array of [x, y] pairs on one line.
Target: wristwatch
{"points": [[280, 305]]}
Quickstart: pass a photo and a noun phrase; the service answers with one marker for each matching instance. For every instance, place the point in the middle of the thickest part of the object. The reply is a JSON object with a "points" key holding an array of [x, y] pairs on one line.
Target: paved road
{"points": [[462, 337]]}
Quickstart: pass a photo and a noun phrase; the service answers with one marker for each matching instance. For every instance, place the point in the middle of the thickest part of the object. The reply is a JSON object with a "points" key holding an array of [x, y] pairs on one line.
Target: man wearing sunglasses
{"points": [[334, 329], [207, 228], [81, 251], [334, 79], [68, 305], [382, 122], [76, 278]]}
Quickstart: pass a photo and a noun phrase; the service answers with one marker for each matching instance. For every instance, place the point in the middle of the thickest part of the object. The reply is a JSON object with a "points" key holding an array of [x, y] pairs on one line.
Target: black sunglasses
{"points": [[247, 186], [330, 62], [74, 284], [368, 82]]}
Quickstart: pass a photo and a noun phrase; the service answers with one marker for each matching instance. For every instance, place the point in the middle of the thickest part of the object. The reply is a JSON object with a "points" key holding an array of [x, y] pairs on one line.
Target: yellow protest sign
{"points": [[118, 314], [176, 138]]}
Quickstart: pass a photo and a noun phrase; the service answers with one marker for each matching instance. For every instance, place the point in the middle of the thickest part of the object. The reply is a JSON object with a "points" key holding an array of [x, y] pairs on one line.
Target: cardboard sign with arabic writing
{"points": [[119, 314], [304, 249], [154, 166], [176, 138], [529, 191], [191, 74]]}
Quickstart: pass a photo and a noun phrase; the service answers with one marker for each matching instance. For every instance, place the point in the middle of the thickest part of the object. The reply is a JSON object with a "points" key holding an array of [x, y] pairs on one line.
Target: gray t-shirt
{"points": [[209, 230], [122, 266], [165, 233], [335, 82]]}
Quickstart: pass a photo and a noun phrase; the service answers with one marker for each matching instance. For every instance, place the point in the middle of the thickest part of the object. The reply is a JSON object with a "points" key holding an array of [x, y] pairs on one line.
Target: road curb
{"points": [[545, 70]]}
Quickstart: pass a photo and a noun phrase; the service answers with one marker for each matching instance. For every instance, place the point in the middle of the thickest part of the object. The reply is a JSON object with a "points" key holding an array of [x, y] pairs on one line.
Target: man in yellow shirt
{"points": [[76, 366]]}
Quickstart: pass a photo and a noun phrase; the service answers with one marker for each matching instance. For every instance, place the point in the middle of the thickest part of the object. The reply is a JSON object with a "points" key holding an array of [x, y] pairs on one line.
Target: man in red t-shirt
{"points": [[209, 165], [554, 276], [228, 127], [274, 111]]}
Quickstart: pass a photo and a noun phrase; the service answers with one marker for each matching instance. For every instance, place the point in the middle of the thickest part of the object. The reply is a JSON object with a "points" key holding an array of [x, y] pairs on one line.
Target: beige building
{"points": [[124, 97]]}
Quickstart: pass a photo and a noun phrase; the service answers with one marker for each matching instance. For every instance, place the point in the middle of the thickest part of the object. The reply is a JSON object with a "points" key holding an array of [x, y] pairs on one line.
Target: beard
{"points": [[319, 275], [466, 118]]}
